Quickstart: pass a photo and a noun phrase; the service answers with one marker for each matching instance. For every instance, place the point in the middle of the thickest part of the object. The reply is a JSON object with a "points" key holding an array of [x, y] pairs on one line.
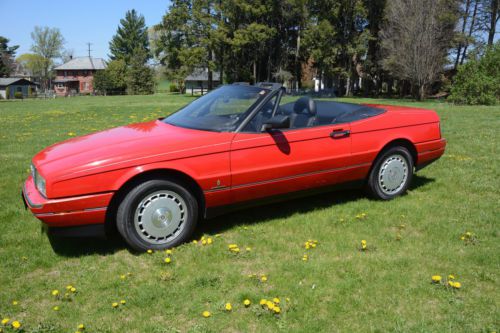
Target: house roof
{"points": [[201, 74], [83, 63], [11, 80]]}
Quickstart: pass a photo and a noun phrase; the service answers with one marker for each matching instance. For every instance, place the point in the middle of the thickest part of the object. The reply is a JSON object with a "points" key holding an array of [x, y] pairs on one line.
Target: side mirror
{"points": [[276, 122]]}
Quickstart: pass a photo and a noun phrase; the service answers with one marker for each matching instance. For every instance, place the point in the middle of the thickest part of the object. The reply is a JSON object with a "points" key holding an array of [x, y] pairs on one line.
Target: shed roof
{"points": [[201, 74], [83, 63], [7, 81]]}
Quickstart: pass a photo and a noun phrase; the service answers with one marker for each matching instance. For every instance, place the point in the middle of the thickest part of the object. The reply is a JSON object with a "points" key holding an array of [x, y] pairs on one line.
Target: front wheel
{"points": [[391, 174], [157, 214]]}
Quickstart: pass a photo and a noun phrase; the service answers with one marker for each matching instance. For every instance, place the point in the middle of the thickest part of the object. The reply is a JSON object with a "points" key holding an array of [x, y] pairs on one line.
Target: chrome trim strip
{"points": [[291, 177], [97, 209]]}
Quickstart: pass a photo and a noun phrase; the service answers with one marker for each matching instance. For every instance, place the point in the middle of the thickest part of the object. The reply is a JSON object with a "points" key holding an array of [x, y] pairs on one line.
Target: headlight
{"points": [[39, 181]]}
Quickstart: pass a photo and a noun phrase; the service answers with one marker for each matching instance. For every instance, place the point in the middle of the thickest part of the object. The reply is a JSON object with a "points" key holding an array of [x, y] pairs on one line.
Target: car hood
{"points": [[126, 146]]}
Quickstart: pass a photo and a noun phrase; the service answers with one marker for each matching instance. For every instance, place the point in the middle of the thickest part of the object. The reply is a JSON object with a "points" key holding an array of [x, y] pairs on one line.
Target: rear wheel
{"points": [[391, 174], [157, 214]]}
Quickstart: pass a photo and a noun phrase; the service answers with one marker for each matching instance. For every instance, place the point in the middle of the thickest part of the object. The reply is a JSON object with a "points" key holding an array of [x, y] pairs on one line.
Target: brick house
{"points": [[76, 76]]}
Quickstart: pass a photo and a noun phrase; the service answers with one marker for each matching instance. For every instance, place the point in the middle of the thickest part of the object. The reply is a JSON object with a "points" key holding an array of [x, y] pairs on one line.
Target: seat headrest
{"points": [[305, 103]]}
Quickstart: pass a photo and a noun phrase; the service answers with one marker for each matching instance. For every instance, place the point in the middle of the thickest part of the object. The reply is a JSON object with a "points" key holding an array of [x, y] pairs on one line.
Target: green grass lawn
{"points": [[339, 289]]}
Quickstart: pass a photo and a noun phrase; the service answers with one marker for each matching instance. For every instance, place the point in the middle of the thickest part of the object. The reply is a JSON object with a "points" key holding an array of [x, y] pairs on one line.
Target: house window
{"points": [[85, 86], [65, 73]]}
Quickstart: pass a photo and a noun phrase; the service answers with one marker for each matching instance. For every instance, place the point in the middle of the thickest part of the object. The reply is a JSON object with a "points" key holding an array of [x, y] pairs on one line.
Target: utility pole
{"points": [[88, 46]]}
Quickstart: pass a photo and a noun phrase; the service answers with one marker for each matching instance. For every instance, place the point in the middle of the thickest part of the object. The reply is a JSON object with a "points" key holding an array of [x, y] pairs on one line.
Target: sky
{"points": [[80, 22]]}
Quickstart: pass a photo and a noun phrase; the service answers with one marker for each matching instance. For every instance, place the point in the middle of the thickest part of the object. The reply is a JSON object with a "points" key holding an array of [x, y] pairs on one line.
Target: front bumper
{"points": [[66, 212]]}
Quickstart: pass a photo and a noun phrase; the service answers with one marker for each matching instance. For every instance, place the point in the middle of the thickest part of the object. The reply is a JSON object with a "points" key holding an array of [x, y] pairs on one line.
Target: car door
{"points": [[275, 162]]}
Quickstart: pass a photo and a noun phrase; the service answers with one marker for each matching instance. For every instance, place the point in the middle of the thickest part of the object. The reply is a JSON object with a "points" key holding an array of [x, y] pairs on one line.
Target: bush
{"points": [[18, 95], [478, 81], [173, 88]]}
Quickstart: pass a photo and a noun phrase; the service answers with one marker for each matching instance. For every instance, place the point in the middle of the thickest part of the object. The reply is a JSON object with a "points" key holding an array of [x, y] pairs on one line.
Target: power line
{"points": [[88, 46]]}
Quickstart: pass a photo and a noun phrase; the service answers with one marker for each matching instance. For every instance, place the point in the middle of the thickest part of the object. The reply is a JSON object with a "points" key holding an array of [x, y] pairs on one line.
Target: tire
{"points": [[157, 214], [391, 174]]}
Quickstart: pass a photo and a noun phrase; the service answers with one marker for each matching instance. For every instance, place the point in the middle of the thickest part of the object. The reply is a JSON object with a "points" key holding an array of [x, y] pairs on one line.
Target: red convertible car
{"points": [[235, 146]]}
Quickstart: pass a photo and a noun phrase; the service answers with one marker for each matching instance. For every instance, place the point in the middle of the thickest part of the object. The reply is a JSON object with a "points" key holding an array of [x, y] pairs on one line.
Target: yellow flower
{"points": [[228, 307], [206, 314], [313, 245], [462, 238], [168, 260], [263, 301], [436, 278], [55, 292], [248, 248], [55, 308], [203, 242], [307, 245], [277, 310], [81, 327], [114, 305], [468, 233], [16, 325], [232, 246], [209, 241], [5, 321], [150, 251], [451, 277], [14, 302], [195, 241], [270, 305], [73, 290], [363, 242], [457, 285], [305, 257], [247, 302], [169, 252], [123, 277], [276, 300], [68, 287], [263, 278], [123, 302]]}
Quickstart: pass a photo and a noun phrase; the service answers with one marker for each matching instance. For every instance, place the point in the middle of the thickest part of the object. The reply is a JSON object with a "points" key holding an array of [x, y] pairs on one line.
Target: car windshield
{"points": [[222, 109]]}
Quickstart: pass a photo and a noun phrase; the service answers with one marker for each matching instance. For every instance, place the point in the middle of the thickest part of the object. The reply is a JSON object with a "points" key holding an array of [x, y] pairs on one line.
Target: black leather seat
{"points": [[304, 113]]}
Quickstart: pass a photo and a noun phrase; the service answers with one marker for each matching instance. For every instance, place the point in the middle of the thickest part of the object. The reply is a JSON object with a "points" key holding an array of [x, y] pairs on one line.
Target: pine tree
{"points": [[132, 34], [6, 56], [140, 77]]}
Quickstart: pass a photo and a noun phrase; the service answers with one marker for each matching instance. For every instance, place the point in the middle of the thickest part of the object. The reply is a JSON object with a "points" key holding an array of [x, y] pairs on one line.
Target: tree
{"points": [[33, 64], [47, 43], [131, 34], [416, 39], [7, 53], [493, 15], [112, 80], [140, 77], [478, 80]]}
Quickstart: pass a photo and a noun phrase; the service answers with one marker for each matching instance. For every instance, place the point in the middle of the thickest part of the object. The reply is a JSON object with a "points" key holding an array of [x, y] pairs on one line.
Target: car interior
{"points": [[305, 112]]}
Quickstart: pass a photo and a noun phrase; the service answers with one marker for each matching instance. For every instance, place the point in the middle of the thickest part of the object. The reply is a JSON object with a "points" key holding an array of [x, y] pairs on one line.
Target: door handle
{"points": [[337, 134]]}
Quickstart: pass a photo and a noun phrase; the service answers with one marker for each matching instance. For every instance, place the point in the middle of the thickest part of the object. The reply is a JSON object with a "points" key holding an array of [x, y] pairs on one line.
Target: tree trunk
{"points": [[464, 24], [471, 30], [255, 71], [421, 92], [493, 21]]}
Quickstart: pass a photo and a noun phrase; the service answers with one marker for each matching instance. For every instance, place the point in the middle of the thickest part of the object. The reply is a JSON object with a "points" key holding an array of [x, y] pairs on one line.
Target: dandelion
{"points": [[81, 327], [247, 302], [68, 287], [363, 245], [123, 277], [436, 278], [73, 290], [228, 307], [203, 242], [195, 241], [276, 300], [16, 325], [209, 241], [5, 321], [14, 302], [169, 252], [263, 301], [277, 310], [123, 302], [150, 251], [248, 249], [451, 277], [71, 134], [55, 293], [270, 305], [305, 257], [55, 308], [263, 278], [455, 284], [114, 305], [168, 260], [206, 314]]}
